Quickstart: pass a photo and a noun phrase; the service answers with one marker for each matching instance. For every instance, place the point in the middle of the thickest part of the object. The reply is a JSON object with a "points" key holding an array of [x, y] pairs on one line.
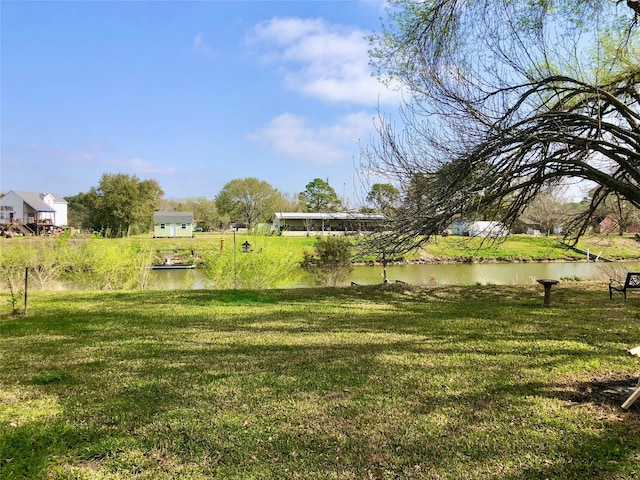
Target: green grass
{"points": [[371, 382], [446, 249], [522, 248], [612, 246], [451, 248]]}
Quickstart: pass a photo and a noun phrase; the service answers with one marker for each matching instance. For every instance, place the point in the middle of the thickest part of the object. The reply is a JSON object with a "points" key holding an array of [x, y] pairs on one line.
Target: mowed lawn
{"points": [[356, 383]]}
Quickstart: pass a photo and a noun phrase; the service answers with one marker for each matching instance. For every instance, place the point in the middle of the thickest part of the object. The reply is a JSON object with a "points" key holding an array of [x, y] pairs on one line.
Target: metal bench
{"points": [[631, 283]]}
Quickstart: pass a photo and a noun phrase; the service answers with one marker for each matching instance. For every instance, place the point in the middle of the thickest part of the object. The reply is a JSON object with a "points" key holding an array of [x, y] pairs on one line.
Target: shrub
{"points": [[12, 272], [105, 265], [330, 263]]}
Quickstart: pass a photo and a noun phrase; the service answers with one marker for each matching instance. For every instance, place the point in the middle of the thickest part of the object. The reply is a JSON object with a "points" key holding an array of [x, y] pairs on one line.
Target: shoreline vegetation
{"points": [[447, 249], [269, 261], [379, 382]]}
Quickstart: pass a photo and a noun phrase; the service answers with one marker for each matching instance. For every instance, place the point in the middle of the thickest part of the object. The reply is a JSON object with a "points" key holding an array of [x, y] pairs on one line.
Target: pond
{"points": [[442, 274]]}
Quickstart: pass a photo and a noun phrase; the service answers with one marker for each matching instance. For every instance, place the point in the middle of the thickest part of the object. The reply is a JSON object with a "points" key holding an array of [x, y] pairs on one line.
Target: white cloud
{"points": [[200, 46], [144, 166], [295, 137], [322, 60], [95, 155]]}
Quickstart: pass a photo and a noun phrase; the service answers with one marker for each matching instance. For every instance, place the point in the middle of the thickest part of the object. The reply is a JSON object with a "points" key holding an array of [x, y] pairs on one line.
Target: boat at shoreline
{"points": [[173, 266]]}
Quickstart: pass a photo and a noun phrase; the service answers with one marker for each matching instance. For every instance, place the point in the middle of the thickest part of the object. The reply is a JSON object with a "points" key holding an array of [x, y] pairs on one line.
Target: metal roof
{"points": [[329, 216], [35, 200], [173, 217]]}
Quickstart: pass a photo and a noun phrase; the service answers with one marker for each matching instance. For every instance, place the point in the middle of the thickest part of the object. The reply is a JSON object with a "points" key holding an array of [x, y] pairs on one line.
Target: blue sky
{"points": [[192, 94]]}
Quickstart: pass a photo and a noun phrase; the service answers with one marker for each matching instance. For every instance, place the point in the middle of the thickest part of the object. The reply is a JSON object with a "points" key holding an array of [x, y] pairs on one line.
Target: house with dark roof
{"points": [[34, 212], [172, 224]]}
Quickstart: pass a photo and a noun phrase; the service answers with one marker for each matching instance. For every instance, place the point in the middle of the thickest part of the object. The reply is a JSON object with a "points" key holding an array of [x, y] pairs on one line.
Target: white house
{"points": [[478, 228], [38, 211]]}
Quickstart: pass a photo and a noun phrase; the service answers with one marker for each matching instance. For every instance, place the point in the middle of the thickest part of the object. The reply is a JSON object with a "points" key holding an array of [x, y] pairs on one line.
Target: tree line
{"points": [[123, 204]]}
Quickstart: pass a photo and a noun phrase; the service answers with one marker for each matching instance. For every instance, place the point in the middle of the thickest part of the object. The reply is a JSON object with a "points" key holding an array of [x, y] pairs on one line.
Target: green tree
{"points": [[249, 200], [205, 212], [330, 263], [507, 98], [46, 258], [384, 198], [119, 203], [105, 264], [321, 197], [79, 209], [13, 264], [49, 259]]}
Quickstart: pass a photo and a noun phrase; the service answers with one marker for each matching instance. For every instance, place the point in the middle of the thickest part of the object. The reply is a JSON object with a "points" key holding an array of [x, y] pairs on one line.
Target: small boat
{"points": [[173, 266]]}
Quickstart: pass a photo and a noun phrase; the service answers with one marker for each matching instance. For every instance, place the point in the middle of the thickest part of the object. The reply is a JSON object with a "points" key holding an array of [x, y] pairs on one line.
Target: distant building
{"points": [[32, 212], [172, 224], [609, 225], [316, 223], [478, 228]]}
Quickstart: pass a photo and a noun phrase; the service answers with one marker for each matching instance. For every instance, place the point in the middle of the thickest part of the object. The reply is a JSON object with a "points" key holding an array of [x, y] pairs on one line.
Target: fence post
{"points": [[26, 288]]}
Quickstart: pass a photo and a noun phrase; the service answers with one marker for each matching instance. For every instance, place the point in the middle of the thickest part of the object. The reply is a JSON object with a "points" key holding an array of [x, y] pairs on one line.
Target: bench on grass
{"points": [[631, 283]]}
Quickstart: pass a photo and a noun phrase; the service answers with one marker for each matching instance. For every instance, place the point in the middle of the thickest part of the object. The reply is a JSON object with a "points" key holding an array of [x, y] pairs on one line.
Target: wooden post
{"points": [[630, 401], [636, 393], [235, 265], [26, 287], [385, 280]]}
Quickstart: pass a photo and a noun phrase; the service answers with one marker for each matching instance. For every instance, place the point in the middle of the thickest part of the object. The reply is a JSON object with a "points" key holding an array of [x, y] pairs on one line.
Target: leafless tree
{"points": [[549, 210], [505, 99], [622, 213]]}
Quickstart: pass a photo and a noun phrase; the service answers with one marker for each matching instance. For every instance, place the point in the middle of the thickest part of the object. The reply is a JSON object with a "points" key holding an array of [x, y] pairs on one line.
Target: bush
{"points": [[105, 265], [330, 263], [12, 271]]}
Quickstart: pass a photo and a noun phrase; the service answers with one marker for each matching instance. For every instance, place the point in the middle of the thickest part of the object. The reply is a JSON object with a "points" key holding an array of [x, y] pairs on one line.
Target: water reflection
{"points": [[454, 274], [484, 274], [192, 279]]}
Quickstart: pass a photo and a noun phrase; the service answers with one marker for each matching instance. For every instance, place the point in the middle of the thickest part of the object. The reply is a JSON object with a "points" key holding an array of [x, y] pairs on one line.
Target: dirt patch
{"points": [[609, 391]]}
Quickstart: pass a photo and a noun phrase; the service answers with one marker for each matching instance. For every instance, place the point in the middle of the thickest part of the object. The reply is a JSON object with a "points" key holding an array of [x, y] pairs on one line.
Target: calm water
{"points": [[457, 274]]}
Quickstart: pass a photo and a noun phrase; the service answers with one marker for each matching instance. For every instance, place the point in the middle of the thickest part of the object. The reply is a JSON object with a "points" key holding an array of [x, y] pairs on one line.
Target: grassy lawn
{"points": [[612, 246], [529, 248], [354, 383], [513, 248], [451, 248]]}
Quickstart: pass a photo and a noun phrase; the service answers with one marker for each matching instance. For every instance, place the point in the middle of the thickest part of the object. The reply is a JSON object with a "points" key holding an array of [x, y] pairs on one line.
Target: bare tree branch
{"points": [[503, 105]]}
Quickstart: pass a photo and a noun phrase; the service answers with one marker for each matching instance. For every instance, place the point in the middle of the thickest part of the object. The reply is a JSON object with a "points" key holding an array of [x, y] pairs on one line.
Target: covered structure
{"points": [[326, 223]]}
